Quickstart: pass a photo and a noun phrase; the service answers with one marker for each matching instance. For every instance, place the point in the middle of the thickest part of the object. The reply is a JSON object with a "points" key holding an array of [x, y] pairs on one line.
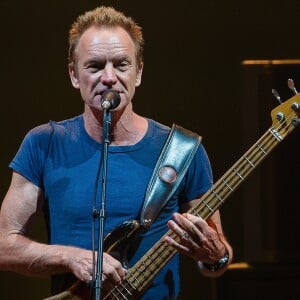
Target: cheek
{"points": [[86, 89], [88, 82], [134, 81]]}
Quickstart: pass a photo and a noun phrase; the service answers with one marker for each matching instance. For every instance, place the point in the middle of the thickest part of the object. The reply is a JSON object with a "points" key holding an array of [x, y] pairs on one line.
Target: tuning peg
{"points": [[295, 107], [291, 85], [296, 121], [276, 95]]}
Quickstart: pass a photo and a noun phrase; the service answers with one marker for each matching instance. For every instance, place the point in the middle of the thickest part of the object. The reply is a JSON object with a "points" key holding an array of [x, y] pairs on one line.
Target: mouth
{"points": [[100, 93], [104, 89]]}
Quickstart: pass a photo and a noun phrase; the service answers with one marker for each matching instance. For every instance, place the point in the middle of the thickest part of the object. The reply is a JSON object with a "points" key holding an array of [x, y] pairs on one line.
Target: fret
{"points": [[224, 181], [131, 284], [134, 278], [195, 212], [250, 162], [238, 174], [207, 206], [261, 149], [218, 196], [145, 268], [156, 262]]}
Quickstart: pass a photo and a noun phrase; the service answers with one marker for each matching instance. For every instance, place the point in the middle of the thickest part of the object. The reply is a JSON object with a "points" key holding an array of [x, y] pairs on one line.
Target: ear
{"points": [[139, 75], [73, 75]]}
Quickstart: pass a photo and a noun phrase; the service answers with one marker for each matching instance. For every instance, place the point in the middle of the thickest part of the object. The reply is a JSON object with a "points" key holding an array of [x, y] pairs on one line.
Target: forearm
{"points": [[22, 255]]}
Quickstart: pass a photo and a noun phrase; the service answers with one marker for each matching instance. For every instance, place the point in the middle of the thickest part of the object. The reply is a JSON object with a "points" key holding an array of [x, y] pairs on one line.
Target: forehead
{"points": [[106, 40]]}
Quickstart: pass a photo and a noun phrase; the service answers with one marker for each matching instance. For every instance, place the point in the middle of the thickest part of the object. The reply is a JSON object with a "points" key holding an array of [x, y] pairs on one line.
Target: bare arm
{"points": [[204, 241], [20, 254]]}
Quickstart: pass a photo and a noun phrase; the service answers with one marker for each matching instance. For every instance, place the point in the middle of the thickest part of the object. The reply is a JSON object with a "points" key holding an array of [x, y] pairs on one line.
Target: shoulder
{"points": [[157, 126], [157, 130], [59, 127]]}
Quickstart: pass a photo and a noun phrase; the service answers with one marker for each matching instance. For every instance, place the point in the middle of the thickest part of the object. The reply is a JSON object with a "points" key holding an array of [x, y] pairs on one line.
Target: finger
{"points": [[83, 275], [187, 243], [113, 270], [180, 247], [183, 221], [199, 223], [190, 249], [188, 226], [177, 229]]}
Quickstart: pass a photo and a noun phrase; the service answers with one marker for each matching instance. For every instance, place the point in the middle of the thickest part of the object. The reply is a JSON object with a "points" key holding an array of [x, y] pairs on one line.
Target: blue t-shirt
{"points": [[63, 160]]}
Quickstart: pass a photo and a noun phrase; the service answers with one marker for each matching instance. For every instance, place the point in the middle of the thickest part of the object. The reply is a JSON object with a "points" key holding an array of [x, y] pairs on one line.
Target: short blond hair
{"points": [[105, 17]]}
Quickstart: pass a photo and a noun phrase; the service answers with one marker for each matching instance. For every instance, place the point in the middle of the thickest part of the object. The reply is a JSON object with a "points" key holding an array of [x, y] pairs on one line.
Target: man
{"points": [[56, 167]]}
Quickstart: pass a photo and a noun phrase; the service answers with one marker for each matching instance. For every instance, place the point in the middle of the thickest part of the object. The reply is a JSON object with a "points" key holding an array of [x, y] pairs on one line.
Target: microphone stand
{"points": [[101, 213]]}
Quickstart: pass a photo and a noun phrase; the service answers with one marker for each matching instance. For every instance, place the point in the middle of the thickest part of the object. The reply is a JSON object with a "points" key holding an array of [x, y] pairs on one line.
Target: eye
{"points": [[122, 65], [94, 67]]}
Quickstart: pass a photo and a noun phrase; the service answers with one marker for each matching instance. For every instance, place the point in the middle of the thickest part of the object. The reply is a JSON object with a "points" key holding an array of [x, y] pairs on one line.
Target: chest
{"points": [[73, 184]]}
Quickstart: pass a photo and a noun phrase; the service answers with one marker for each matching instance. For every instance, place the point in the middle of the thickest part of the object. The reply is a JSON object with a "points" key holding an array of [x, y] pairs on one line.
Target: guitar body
{"points": [[116, 243]]}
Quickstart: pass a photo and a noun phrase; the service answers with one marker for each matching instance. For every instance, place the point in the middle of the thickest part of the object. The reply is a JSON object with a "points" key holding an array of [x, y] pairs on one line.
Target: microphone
{"points": [[110, 99]]}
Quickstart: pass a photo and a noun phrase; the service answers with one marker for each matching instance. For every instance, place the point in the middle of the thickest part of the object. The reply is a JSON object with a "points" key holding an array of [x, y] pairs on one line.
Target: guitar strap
{"points": [[171, 166]]}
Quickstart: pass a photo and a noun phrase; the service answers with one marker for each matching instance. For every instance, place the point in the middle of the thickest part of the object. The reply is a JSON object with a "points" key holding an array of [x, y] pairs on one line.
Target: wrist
{"points": [[220, 264]]}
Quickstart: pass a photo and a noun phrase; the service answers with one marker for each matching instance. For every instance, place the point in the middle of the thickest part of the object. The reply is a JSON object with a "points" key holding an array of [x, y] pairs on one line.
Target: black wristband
{"points": [[221, 263]]}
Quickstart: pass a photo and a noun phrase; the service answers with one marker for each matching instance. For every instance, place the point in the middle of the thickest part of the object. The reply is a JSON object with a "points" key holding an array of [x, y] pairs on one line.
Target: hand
{"points": [[196, 238], [80, 263], [113, 273]]}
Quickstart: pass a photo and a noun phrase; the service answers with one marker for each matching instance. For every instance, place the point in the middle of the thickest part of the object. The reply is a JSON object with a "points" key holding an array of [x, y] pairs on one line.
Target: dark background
{"points": [[193, 76]]}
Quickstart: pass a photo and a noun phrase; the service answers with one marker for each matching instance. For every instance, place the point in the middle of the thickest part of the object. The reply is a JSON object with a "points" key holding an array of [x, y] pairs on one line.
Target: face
{"points": [[105, 59]]}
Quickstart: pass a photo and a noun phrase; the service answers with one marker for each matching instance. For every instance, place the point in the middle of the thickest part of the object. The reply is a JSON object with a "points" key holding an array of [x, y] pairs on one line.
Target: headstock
{"points": [[286, 116]]}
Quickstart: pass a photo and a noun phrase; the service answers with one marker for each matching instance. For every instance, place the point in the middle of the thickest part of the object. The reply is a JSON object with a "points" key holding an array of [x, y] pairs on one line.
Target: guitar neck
{"points": [[142, 273], [238, 173]]}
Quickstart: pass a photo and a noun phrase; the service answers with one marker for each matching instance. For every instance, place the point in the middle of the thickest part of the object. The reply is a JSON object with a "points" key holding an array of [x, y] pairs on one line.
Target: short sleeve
{"points": [[30, 158], [199, 178]]}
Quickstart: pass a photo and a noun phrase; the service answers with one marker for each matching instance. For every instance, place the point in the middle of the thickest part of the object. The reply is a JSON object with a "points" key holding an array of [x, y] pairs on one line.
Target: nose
{"points": [[108, 76]]}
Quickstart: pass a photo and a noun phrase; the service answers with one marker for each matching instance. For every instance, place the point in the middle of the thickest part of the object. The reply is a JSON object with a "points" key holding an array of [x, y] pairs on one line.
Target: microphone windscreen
{"points": [[110, 99]]}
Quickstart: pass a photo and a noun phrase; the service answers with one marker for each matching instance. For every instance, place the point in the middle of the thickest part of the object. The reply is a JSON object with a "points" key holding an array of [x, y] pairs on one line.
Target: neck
{"points": [[127, 128]]}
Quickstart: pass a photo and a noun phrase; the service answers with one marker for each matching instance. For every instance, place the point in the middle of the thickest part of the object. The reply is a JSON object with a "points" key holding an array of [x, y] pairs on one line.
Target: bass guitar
{"points": [[285, 117]]}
